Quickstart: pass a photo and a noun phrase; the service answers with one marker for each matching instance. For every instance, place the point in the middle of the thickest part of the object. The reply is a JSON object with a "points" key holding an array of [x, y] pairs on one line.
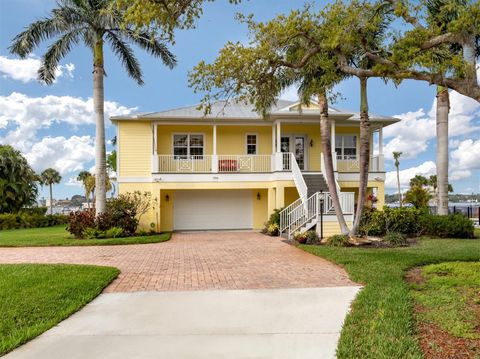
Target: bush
{"points": [[308, 237], [114, 232], [451, 226], [272, 226], [35, 210], [93, 233], [338, 240], [396, 239], [30, 220], [80, 221], [413, 221]]}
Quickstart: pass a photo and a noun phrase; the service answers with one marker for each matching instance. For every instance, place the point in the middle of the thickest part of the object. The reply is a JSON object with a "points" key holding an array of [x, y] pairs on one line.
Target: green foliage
{"points": [[413, 221], [35, 297], [451, 226], [18, 182], [50, 176], [446, 296], [380, 323], [114, 232], [272, 227], [307, 237], [35, 210], [80, 221], [418, 197], [93, 233], [30, 220], [338, 240], [396, 239]]}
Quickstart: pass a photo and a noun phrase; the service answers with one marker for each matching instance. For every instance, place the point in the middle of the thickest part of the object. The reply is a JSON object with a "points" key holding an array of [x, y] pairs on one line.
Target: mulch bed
{"points": [[435, 342]]}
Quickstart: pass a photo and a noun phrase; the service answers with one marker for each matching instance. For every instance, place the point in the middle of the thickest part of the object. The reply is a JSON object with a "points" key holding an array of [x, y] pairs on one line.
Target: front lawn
{"points": [[381, 323], [447, 308], [58, 236], [35, 297]]}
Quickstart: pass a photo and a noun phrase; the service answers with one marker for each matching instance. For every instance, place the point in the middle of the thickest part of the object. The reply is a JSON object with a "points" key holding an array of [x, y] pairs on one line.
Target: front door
{"points": [[296, 145]]}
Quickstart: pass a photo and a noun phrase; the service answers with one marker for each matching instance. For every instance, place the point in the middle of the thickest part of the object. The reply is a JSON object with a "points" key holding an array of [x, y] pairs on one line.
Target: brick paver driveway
{"points": [[194, 261]]}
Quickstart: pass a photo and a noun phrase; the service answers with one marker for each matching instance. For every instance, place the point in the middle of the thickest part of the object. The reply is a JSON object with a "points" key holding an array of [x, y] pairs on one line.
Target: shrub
{"points": [[30, 220], [396, 239], [114, 232], [300, 237], [35, 210], [312, 237], [272, 226], [338, 240], [93, 233], [402, 220], [451, 226], [79, 221]]}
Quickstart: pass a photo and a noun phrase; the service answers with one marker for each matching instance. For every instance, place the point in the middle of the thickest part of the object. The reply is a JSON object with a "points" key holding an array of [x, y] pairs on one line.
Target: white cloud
{"points": [[73, 182], [63, 154], [28, 115], [411, 135], [465, 159], [25, 70], [425, 169]]}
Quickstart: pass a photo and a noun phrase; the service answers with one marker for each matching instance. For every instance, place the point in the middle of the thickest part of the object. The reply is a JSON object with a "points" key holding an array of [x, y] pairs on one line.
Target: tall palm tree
{"points": [[50, 177], [396, 157], [83, 177], [92, 22]]}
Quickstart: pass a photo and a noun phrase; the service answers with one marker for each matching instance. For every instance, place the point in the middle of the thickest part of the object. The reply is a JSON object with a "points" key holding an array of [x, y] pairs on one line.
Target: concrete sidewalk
{"points": [[272, 323]]}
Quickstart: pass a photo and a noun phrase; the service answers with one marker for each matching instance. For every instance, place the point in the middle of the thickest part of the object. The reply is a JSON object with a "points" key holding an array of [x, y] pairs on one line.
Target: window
{"points": [[346, 147], [188, 146], [251, 144]]}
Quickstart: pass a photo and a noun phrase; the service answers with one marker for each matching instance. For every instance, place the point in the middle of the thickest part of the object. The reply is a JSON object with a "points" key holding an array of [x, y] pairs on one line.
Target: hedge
{"points": [[30, 220], [415, 222]]}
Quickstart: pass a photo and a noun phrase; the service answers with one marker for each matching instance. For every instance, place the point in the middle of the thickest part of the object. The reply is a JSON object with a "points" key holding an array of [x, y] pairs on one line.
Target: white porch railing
{"points": [[244, 163], [187, 164], [352, 164]]}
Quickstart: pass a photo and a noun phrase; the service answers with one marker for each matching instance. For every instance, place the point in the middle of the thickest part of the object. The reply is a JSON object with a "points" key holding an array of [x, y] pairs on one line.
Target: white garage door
{"points": [[212, 209]]}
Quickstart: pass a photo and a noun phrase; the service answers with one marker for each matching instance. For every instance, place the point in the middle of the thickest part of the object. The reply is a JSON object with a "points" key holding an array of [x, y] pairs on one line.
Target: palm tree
{"points": [[396, 157], [91, 183], [83, 177], [50, 177], [92, 22]]}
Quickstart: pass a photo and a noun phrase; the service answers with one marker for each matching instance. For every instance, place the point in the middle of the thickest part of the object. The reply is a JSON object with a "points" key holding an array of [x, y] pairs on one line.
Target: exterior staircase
{"points": [[315, 183], [314, 201]]}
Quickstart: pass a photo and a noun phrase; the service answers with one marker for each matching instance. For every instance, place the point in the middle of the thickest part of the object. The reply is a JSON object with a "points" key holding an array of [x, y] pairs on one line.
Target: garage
{"points": [[212, 209]]}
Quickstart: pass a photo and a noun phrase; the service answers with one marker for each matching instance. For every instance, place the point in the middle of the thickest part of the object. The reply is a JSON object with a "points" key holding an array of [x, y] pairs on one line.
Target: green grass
{"points": [[58, 236], [35, 297], [446, 297], [381, 323]]}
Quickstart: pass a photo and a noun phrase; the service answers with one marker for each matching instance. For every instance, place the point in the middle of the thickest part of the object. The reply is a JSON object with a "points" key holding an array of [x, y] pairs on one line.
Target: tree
{"points": [[93, 22], [18, 182], [83, 177], [50, 177], [91, 184], [396, 157], [418, 195]]}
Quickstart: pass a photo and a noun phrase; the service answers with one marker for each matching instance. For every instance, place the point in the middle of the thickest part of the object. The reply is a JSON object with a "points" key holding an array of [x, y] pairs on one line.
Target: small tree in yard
{"points": [[418, 195], [50, 177], [18, 182]]}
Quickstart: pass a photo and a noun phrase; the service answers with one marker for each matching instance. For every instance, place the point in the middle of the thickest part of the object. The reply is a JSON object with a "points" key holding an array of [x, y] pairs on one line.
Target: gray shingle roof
{"points": [[235, 109]]}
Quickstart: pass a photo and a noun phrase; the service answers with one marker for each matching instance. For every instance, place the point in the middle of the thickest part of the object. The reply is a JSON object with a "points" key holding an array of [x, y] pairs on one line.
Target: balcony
{"points": [[352, 164], [221, 163]]}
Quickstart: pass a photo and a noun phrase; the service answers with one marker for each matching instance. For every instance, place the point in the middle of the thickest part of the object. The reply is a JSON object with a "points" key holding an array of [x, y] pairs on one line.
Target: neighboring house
{"points": [[232, 169]]}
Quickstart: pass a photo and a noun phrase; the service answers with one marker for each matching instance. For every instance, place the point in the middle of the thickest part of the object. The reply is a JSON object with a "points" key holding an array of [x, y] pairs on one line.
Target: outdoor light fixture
{"points": [[258, 196], [311, 143], [167, 198]]}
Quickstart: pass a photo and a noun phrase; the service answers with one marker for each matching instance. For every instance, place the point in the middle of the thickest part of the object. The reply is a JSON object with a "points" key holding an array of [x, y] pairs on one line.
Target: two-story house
{"points": [[233, 168]]}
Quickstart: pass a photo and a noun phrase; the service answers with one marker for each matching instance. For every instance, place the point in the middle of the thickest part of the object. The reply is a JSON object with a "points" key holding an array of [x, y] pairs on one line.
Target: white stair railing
{"points": [[298, 178]]}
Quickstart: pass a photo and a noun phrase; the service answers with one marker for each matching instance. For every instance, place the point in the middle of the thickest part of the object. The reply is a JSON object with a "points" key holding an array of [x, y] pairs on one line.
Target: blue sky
{"points": [[53, 125]]}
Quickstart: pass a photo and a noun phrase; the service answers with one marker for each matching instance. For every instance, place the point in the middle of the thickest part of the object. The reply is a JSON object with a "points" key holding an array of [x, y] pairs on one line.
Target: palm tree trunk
{"points": [[364, 154], [87, 196], [100, 152], [325, 130], [443, 107], [51, 199], [400, 199]]}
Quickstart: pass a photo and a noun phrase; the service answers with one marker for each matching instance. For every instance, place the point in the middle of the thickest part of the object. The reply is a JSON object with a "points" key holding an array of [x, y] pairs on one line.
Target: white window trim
{"points": [[342, 147], [188, 134], [306, 149], [256, 143]]}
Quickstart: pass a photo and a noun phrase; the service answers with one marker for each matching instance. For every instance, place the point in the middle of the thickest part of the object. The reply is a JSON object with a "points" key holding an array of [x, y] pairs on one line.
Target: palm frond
{"points": [[58, 50], [24, 43], [153, 46], [126, 55]]}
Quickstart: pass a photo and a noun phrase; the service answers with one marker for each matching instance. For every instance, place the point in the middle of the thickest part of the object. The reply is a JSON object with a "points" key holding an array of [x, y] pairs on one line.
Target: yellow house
{"points": [[231, 169]]}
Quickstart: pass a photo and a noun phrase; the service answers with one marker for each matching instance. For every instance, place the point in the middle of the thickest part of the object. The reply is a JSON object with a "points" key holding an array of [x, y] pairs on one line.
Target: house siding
{"points": [[135, 149]]}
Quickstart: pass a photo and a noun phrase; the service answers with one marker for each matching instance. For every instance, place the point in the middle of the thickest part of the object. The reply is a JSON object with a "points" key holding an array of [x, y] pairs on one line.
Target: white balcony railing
{"points": [[244, 163], [188, 164], [352, 164]]}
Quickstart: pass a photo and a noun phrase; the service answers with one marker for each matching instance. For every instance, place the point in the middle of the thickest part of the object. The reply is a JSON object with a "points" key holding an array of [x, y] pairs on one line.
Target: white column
{"points": [[154, 149], [273, 139], [381, 163], [380, 140], [279, 134], [334, 154], [214, 155]]}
